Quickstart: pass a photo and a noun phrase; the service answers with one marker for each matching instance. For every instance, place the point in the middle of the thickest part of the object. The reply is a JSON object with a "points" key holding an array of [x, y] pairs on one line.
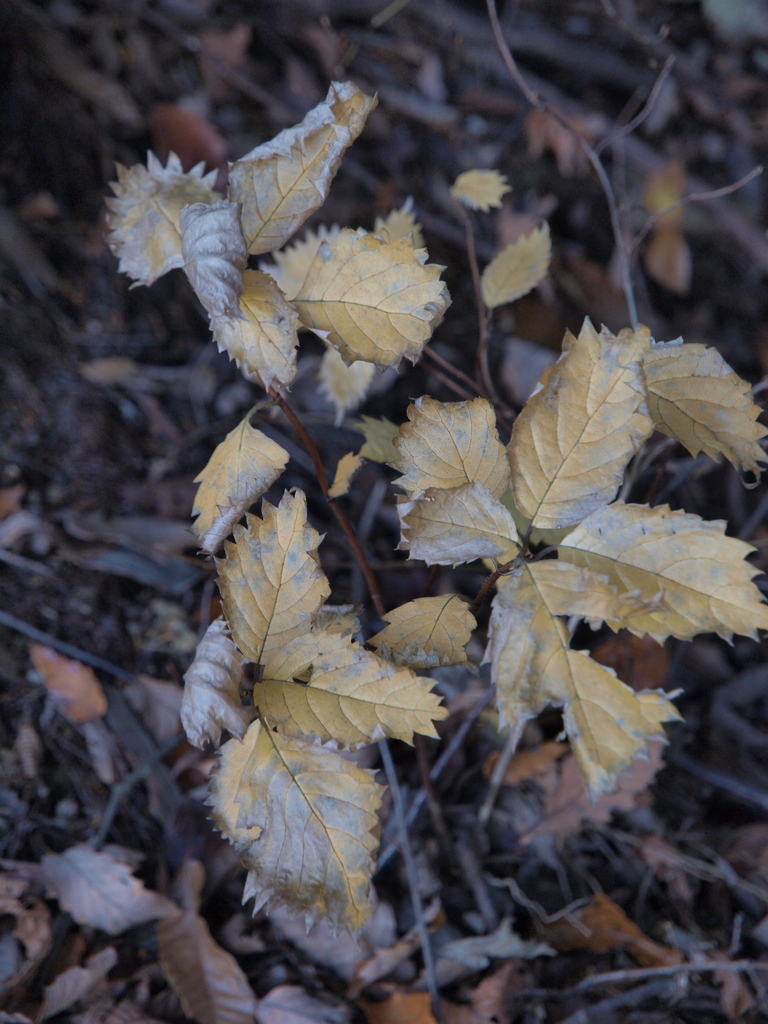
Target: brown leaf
{"points": [[401, 1007], [639, 661], [32, 928], [569, 805], [72, 985], [601, 926], [158, 703], [747, 851], [100, 891], [106, 1012], [289, 1004], [185, 133], [667, 259], [206, 978], [74, 688], [668, 865], [10, 499], [527, 764], [229, 48]]}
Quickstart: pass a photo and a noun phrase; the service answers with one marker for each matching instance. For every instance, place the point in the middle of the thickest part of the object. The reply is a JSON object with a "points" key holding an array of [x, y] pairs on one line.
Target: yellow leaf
{"points": [[143, 218], [292, 263], [573, 440], [263, 340], [241, 469], [448, 527], [532, 666], [271, 586], [353, 696], [211, 699], [372, 300], [480, 190], [213, 250], [345, 471], [281, 182], [338, 618], [446, 444], [318, 816], [518, 268], [706, 584], [427, 632], [345, 386], [695, 397], [378, 434], [400, 223]]}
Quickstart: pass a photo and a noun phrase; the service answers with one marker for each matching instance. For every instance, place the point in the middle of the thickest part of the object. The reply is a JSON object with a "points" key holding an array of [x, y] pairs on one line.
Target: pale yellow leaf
{"points": [[353, 696], [213, 250], [263, 340], [448, 527], [427, 632], [446, 444], [348, 465], [318, 816], [532, 666], [480, 190], [281, 182], [695, 397], [143, 218], [571, 443], [706, 584], [400, 223], [378, 434], [241, 469], [211, 700], [100, 891], [292, 263], [338, 618], [209, 982], [271, 585], [517, 269], [344, 386], [372, 300]]}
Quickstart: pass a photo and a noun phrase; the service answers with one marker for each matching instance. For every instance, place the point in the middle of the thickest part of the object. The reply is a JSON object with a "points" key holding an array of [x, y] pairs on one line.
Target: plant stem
{"points": [[483, 591], [482, 317], [341, 518]]}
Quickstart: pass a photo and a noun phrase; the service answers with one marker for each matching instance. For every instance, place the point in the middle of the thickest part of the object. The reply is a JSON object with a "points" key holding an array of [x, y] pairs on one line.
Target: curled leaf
{"points": [[427, 632], [518, 268], [345, 386], [143, 218], [480, 190], [214, 254], [211, 699], [348, 466]]}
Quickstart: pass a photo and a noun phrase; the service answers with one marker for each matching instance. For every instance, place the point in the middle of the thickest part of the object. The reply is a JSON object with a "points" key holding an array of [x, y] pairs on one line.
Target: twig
{"points": [[482, 316], [341, 518], [453, 386], [648, 106], [660, 988], [427, 351], [483, 591], [496, 780], [539, 104], [738, 789], [413, 880]]}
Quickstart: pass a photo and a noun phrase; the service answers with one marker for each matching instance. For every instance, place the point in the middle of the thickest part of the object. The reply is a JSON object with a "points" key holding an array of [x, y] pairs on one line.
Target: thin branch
{"points": [[341, 519], [413, 879], [630, 126], [482, 316], [483, 591], [446, 365]]}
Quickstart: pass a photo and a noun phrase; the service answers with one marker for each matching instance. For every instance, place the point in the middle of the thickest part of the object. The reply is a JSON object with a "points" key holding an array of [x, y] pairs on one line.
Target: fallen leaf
{"points": [[639, 661], [346, 469], [747, 850], [10, 499], [527, 764], [106, 1011], [480, 190], [74, 688], [31, 929], [400, 1007], [194, 140], [543, 131], [214, 255], [668, 865], [667, 259], [289, 1004], [158, 704], [73, 984], [100, 891], [601, 926], [735, 996], [344, 386], [517, 269], [211, 700], [229, 48]]}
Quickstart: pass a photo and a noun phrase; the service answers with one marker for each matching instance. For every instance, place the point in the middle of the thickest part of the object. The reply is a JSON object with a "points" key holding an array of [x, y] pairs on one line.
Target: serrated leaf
{"points": [[344, 386], [695, 397], [208, 980], [446, 444], [400, 223], [518, 268], [100, 891], [353, 696], [211, 700], [706, 584], [143, 217], [427, 632], [319, 816], [480, 190], [281, 182], [572, 441], [378, 434], [263, 340], [292, 263], [338, 618], [372, 300], [241, 469], [214, 254], [348, 465], [532, 666], [448, 527], [271, 586]]}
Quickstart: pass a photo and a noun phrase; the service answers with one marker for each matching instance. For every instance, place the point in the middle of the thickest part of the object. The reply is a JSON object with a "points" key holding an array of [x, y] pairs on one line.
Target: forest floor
{"points": [[650, 906]]}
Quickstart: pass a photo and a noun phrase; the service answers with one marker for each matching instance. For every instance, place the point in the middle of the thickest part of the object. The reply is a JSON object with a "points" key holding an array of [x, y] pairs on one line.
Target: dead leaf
{"points": [[639, 661], [100, 891], [747, 850], [601, 926], [517, 269], [289, 1004], [427, 632], [346, 469], [72, 985], [211, 700], [106, 1011], [668, 865], [400, 1007], [74, 688], [667, 258], [735, 996], [31, 930], [214, 255], [292, 263], [480, 190], [344, 386], [231, 48], [158, 703], [527, 764], [379, 434], [543, 132], [174, 129], [10, 499], [568, 805], [400, 223], [207, 979]]}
